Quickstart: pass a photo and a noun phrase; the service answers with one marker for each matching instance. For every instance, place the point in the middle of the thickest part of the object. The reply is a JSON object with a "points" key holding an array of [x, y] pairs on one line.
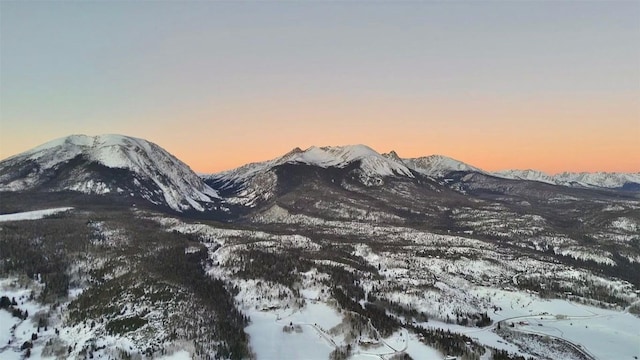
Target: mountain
{"points": [[108, 164], [127, 167], [582, 179], [438, 166], [601, 179], [257, 181], [529, 174], [372, 164], [254, 183], [373, 253]]}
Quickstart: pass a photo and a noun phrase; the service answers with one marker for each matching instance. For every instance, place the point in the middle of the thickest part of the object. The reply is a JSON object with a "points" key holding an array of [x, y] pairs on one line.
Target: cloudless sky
{"points": [[549, 85]]}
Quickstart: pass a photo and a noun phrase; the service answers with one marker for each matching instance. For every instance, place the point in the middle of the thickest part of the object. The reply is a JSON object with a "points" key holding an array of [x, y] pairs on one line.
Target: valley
{"points": [[325, 253]]}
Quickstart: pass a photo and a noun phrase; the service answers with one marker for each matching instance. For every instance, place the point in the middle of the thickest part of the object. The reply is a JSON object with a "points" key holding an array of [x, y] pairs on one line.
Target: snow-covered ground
{"points": [[178, 355], [312, 338], [605, 334], [17, 330], [32, 215], [307, 341], [58, 334], [418, 350], [448, 285]]}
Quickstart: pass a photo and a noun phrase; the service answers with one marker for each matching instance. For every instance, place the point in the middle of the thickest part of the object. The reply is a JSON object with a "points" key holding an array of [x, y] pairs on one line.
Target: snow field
{"points": [[178, 355], [606, 334], [269, 341], [32, 215], [23, 328]]}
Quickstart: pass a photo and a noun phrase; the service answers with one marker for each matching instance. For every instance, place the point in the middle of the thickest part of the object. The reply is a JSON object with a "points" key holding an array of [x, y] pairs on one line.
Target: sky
{"points": [[548, 85]]}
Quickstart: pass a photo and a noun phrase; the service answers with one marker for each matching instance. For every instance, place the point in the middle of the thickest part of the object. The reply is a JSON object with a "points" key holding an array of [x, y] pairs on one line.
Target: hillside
{"points": [[324, 253]]}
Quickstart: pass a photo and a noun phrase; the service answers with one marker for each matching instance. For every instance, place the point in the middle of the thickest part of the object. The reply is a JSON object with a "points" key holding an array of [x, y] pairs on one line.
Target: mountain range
{"points": [[127, 166], [111, 247]]}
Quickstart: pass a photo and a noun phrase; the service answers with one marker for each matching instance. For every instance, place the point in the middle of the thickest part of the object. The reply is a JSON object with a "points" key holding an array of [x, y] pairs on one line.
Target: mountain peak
{"points": [[392, 155], [85, 163], [438, 165], [335, 155], [293, 152], [528, 174], [258, 179], [372, 163], [87, 141]]}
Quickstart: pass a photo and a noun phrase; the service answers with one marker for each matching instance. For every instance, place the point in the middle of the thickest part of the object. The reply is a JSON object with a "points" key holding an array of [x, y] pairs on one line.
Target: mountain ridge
{"points": [[129, 166], [108, 164], [584, 179], [435, 166]]}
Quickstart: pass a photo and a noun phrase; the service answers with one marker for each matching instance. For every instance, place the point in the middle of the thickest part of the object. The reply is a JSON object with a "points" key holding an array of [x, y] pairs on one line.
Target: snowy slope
{"points": [[438, 165], [582, 179], [32, 215], [601, 179], [372, 163], [257, 181], [157, 175], [533, 175]]}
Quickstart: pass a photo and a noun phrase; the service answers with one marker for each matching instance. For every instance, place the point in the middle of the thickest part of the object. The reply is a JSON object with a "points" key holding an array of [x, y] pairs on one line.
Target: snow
{"points": [[529, 174], [23, 328], [178, 355], [328, 156], [597, 255], [438, 165], [583, 179], [625, 224], [606, 334], [601, 179], [418, 350], [373, 163], [258, 180], [269, 341], [32, 215], [482, 335], [6, 322], [314, 340], [181, 188]]}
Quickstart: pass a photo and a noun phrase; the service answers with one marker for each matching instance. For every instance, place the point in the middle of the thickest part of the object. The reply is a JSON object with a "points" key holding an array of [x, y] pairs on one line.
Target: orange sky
{"points": [[553, 135], [553, 86], [592, 133]]}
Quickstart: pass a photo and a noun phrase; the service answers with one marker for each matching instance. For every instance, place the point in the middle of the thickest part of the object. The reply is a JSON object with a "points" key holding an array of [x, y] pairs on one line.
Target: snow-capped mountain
{"points": [[258, 180], [438, 165], [582, 179], [601, 179], [131, 167], [372, 164], [253, 183], [108, 164], [529, 174]]}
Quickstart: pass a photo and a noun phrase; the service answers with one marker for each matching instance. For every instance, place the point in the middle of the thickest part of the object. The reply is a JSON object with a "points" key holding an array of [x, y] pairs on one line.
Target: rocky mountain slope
{"points": [[258, 183], [438, 166], [116, 165], [335, 252], [108, 164], [581, 179]]}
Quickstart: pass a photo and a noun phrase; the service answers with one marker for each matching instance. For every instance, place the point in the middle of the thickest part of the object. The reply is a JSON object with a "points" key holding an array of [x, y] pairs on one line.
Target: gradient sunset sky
{"points": [[548, 85]]}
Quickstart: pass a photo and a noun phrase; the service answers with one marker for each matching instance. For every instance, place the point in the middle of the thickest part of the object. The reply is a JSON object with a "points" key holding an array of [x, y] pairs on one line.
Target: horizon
{"points": [[400, 155], [550, 86]]}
